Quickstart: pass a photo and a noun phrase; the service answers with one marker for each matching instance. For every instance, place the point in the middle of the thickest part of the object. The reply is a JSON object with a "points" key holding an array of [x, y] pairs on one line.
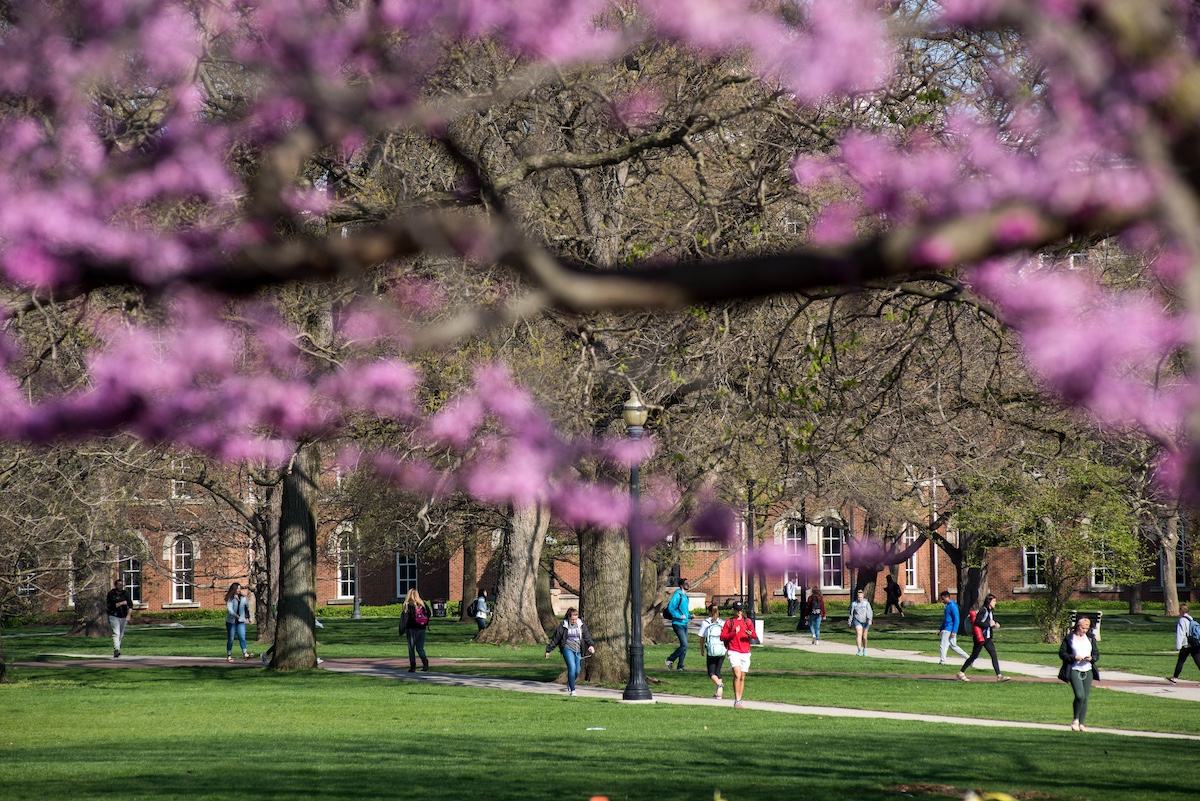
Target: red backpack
{"points": [[420, 616], [978, 632]]}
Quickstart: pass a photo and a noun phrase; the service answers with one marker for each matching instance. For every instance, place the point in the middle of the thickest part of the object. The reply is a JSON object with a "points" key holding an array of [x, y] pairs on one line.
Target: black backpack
{"points": [[472, 608]]}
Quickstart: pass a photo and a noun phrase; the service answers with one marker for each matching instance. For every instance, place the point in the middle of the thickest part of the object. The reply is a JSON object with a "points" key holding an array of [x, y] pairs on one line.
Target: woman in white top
{"points": [[714, 649], [1079, 654]]}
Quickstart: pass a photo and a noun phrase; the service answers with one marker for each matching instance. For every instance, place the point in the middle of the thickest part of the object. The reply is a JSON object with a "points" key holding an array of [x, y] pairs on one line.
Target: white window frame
{"points": [[406, 573], [910, 566], [183, 570], [180, 489], [27, 576], [795, 541], [1102, 574], [833, 562], [1180, 564], [131, 574], [1032, 563], [346, 565]]}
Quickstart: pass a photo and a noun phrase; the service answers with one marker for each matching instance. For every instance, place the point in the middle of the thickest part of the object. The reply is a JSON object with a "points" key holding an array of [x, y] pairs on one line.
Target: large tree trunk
{"points": [[545, 599], [92, 582], [1135, 598], [470, 574], [515, 618], [972, 587], [295, 637], [604, 602], [1169, 545]]}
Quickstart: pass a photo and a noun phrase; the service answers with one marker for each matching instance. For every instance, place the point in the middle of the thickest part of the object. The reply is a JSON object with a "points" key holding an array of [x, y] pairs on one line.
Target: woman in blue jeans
{"points": [[237, 615], [572, 638]]}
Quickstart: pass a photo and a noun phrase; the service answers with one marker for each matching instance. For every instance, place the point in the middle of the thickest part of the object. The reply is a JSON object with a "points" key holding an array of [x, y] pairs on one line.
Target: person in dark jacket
{"points": [[816, 613], [120, 609], [572, 638], [893, 592], [1079, 654], [413, 622], [985, 621]]}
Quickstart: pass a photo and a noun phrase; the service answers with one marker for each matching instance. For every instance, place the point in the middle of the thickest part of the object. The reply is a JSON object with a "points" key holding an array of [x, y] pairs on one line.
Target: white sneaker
{"points": [[571, 692]]}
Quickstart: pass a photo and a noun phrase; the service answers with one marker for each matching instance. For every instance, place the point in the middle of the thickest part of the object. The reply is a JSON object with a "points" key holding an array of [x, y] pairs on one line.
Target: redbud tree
{"points": [[167, 148]]}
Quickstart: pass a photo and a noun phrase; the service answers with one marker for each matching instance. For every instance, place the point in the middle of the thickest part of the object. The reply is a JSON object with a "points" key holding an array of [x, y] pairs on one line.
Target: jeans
{"points": [[238, 629], [574, 661], [1081, 683], [947, 644], [979, 646], [814, 625], [416, 647], [481, 622], [679, 653], [117, 624], [793, 606]]}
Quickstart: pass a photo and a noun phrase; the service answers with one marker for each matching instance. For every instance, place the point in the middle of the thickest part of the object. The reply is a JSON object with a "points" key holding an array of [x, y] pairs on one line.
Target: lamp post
{"points": [[634, 414], [749, 547]]}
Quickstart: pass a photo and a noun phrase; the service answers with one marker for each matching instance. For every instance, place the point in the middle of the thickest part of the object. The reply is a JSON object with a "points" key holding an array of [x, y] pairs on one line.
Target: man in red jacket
{"points": [[737, 634]]}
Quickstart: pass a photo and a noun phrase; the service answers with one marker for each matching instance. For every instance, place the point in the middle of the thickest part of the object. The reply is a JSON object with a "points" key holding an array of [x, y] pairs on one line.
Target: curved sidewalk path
{"points": [[397, 669]]}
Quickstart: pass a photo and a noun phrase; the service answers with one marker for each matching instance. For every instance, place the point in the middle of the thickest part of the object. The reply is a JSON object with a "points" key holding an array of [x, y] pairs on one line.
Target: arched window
{"points": [[183, 572], [793, 545]]}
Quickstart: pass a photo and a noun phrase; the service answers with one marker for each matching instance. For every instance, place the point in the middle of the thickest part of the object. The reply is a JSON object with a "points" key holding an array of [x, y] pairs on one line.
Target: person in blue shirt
{"points": [[677, 608], [949, 629]]}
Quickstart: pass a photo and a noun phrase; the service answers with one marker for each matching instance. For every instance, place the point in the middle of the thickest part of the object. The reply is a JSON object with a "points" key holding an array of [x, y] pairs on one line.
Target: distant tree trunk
{"points": [[266, 585], [972, 587], [515, 618], [295, 632], [92, 582], [1135, 598], [545, 600], [1169, 548], [3, 669], [604, 602], [470, 574]]}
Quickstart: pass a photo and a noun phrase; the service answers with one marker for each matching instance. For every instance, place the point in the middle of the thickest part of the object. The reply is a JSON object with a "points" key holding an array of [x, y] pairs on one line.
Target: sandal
{"points": [[1075, 726], [962, 676], [1001, 677], [247, 655], [229, 657], [1172, 679]]}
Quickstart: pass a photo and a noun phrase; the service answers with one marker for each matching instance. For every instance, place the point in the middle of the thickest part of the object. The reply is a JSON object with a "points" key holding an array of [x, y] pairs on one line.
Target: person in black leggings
{"points": [[985, 622]]}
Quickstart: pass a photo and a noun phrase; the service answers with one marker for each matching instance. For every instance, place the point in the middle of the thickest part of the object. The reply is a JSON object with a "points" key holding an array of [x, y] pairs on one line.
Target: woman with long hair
{"points": [[237, 615], [571, 637], [714, 650], [413, 622], [816, 613], [1079, 654], [985, 621]]}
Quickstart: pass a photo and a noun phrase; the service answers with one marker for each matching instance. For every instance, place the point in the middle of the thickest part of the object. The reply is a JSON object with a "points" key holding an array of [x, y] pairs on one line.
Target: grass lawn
{"points": [[211, 733]]}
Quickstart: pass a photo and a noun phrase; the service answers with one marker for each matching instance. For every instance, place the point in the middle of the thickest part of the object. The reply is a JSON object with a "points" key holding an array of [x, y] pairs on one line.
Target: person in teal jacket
{"points": [[677, 608]]}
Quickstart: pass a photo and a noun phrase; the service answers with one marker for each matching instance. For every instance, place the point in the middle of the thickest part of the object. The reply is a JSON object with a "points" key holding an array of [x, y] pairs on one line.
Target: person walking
{"points": [[1079, 654], [949, 630], [679, 613], [237, 615], [737, 634], [893, 592], [816, 613], [414, 620], [1187, 645], [481, 610], [714, 649], [571, 637], [789, 592], [861, 616], [119, 607], [985, 623]]}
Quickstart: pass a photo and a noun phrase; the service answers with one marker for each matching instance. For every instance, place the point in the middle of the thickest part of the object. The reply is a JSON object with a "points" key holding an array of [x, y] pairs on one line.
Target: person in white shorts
{"points": [[737, 635]]}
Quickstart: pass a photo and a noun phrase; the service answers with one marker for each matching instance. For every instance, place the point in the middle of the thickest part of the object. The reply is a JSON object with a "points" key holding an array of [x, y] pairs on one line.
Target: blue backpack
{"points": [[1193, 634]]}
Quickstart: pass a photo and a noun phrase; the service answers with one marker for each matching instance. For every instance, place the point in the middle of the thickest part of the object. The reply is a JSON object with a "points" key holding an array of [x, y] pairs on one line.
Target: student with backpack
{"points": [[1079, 654], [679, 614], [413, 622], [714, 649], [816, 613], [478, 609], [1187, 640], [984, 621]]}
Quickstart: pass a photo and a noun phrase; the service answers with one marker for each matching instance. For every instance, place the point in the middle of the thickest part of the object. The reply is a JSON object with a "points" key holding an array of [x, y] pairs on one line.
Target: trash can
{"points": [[439, 607]]}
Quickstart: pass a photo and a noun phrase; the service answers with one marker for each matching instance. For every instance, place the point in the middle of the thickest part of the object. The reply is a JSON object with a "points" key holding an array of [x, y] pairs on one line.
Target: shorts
{"points": [[737, 659], [858, 624], [715, 663]]}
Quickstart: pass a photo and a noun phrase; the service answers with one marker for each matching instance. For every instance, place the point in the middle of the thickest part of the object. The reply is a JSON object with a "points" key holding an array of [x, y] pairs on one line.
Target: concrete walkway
{"points": [[982, 669]]}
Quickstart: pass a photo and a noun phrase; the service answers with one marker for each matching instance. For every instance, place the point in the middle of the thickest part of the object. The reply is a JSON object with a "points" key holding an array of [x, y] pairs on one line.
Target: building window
{"points": [[793, 546], [183, 573], [27, 575], [910, 567], [1102, 572], [131, 574], [406, 573], [180, 489], [832, 538], [1034, 565], [347, 566]]}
